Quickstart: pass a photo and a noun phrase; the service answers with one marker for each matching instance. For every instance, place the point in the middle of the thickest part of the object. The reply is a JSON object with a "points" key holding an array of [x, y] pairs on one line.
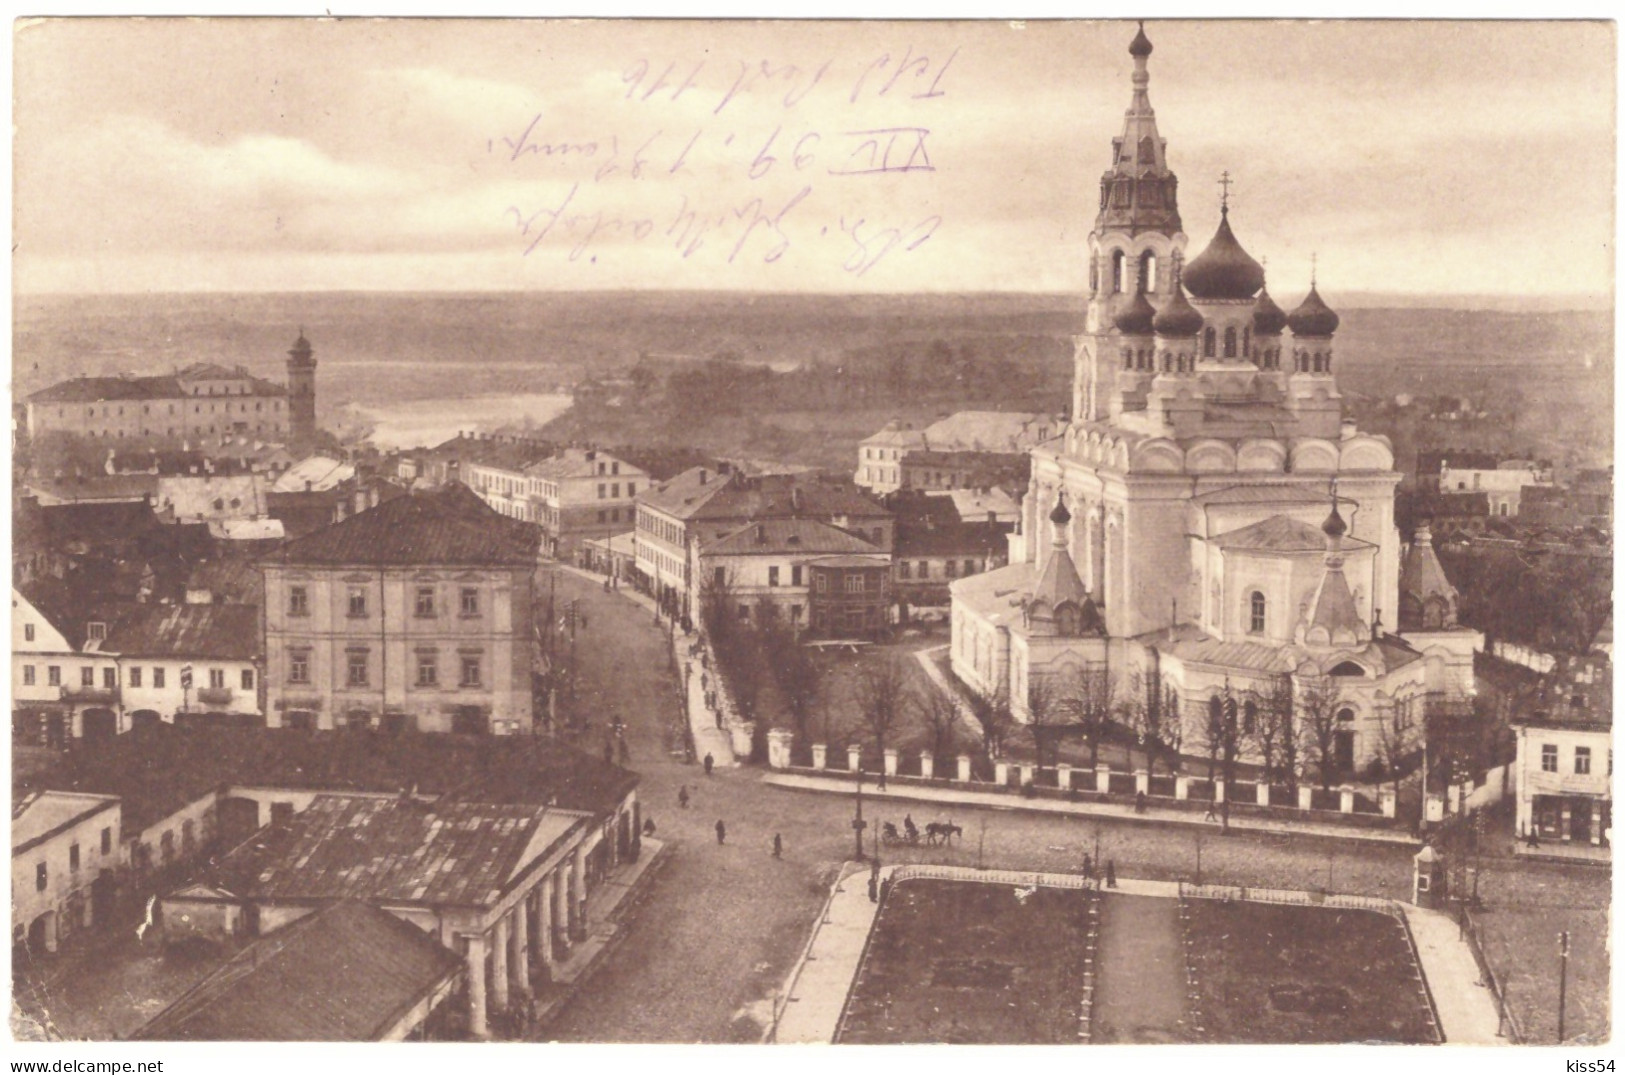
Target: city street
{"points": [[724, 924]]}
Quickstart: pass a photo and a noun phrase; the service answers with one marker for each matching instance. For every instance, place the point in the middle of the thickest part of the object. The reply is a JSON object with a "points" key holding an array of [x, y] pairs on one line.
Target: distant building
{"points": [[1565, 763], [764, 569], [936, 544], [1503, 484], [62, 687], [187, 662], [582, 494], [967, 449], [205, 404], [677, 518], [417, 612], [851, 596]]}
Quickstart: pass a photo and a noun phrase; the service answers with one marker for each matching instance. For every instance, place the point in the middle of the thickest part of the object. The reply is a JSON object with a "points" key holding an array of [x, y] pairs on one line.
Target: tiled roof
{"points": [[1281, 533], [344, 973], [313, 474], [195, 632], [395, 850], [1195, 646], [780, 536], [100, 389], [450, 525], [156, 771]]}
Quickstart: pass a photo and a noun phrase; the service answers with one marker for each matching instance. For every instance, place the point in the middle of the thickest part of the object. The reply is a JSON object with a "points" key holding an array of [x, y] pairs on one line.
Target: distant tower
{"points": [[301, 396]]}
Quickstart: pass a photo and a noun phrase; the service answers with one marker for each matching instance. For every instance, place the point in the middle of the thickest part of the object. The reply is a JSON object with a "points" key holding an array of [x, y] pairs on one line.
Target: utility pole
{"points": [[858, 823], [1562, 982]]}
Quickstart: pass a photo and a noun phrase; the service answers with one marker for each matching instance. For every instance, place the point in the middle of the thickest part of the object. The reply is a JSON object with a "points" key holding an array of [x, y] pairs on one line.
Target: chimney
{"points": [[307, 485], [992, 517], [360, 501], [705, 476], [372, 497]]}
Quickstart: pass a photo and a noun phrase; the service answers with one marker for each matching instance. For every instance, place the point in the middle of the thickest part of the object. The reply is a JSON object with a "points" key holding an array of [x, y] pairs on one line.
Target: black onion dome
{"points": [[1268, 318], [1141, 45], [1334, 526], [1060, 516], [1224, 270], [1135, 319], [1313, 317], [1177, 316]]}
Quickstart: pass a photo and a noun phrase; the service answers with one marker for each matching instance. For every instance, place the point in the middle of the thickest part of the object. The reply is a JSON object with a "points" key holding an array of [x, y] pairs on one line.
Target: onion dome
{"points": [[1268, 318], [1140, 47], [1224, 270], [1060, 516], [1135, 319], [1313, 317], [1177, 317], [1334, 527]]}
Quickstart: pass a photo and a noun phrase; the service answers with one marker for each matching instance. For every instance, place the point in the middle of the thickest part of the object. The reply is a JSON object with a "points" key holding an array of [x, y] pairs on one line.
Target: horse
{"points": [[941, 830]]}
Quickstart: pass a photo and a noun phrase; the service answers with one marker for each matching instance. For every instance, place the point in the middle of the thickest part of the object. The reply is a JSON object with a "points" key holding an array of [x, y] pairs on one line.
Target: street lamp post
{"points": [[1562, 982]]}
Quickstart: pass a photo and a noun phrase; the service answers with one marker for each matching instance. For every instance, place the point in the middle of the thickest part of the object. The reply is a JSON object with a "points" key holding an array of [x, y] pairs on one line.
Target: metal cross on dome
{"points": [[1224, 198]]}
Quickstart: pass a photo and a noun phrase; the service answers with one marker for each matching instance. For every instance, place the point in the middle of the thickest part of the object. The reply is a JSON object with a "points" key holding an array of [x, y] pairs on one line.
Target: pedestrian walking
{"points": [[583, 621], [1111, 871], [1211, 815], [1139, 802], [682, 797], [710, 763], [722, 832], [778, 846], [1088, 868], [648, 826]]}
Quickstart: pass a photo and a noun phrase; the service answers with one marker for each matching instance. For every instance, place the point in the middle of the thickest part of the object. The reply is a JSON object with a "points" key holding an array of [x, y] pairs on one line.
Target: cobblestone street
{"points": [[724, 924]]}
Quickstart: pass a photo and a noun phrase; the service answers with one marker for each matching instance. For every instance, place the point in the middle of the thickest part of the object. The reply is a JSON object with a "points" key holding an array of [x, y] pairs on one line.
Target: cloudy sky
{"points": [[1422, 158]]}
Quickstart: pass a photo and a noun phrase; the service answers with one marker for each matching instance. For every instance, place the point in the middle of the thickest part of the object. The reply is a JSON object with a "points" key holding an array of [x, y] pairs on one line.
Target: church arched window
{"points": [[1230, 342], [1128, 358], [1167, 362], [1247, 342], [1148, 150], [1209, 342], [1117, 271], [1249, 717], [1094, 276], [1148, 271], [1256, 606]]}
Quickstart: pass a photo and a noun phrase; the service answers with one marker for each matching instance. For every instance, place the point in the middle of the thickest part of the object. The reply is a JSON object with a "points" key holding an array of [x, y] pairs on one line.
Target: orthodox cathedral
{"points": [[1209, 525]]}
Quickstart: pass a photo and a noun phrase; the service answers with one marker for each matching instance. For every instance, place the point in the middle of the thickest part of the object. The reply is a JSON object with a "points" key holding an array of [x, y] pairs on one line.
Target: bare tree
{"points": [[1088, 694], [939, 714], [1270, 731], [991, 709], [1153, 712], [1318, 699], [880, 692], [1048, 714], [1399, 735], [795, 670]]}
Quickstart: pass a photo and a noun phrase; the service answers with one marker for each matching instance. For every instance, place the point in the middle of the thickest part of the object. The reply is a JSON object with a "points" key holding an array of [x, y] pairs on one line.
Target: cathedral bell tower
{"points": [[301, 396], [1136, 237]]}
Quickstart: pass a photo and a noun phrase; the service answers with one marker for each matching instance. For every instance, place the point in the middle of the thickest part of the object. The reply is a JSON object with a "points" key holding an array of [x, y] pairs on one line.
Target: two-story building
{"points": [[61, 844], [416, 612], [62, 685], [936, 545], [183, 662], [850, 596], [763, 568], [583, 494], [1565, 763], [701, 505]]}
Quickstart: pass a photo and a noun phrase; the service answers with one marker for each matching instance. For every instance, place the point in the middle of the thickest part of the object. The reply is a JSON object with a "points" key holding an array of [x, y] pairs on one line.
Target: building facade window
{"points": [[470, 601], [298, 668], [854, 583], [471, 671], [1256, 607], [217, 678], [157, 679], [773, 575], [358, 602], [423, 608], [97, 631], [28, 632], [248, 679], [795, 575], [87, 677], [135, 676], [53, 675], [73, 857], [903, 567], [28, 675], [1582, 761], [107, 841], [357, 676], [1548, 758], [42, 877], [428, 670]]}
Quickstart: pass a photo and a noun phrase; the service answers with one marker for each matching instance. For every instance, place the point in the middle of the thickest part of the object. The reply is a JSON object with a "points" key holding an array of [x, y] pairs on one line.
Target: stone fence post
{"points": [[1345, 799], [964, 768], [1306, 797], [1182, 786], [778, 748], [928, 764], [1389, 802], [1103, 778], [889, 760], [1218, 791], [1142, 782], [820, 753], [1001, 773], [854, 758], [1261, 794], [1063, 776]]}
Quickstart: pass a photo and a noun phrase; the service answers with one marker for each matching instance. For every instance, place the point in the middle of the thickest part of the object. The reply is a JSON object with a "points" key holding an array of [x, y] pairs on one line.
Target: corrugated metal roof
{"points": [[343, 973], [394, 850], [197, 632], [780, 536]]}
